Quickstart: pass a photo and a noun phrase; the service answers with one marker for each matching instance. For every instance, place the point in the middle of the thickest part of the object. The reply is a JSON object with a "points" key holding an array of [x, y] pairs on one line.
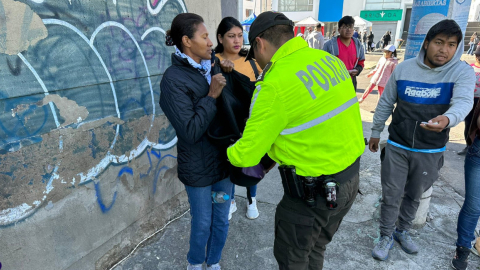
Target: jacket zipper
{"points": [[414, 131]]}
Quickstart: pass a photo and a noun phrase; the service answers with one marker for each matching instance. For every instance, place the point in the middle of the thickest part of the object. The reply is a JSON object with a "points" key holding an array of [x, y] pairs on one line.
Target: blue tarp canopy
{"points": [[250, 19]]}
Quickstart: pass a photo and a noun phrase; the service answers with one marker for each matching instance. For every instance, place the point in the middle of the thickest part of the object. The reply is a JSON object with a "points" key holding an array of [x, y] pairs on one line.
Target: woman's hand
{"points": [[216, 86], [227, 66]]}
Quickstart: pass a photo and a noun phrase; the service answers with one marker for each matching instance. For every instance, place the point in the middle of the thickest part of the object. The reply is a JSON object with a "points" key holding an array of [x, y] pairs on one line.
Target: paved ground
{"points": [[250, 242]]}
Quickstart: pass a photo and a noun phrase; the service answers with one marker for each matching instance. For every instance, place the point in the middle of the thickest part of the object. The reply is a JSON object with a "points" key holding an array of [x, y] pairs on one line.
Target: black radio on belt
{"points": [[307, 188]]}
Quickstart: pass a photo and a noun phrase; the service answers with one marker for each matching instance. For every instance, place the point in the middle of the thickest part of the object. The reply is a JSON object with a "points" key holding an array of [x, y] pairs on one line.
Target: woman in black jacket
{"points": [[188, 98]]}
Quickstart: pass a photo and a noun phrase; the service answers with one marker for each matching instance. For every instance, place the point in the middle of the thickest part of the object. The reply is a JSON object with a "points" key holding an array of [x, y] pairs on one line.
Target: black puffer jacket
{"points": [[184, 100]]}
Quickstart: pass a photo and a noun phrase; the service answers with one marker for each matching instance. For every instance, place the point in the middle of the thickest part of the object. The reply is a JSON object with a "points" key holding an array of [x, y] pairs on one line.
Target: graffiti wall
{"points": [[83, 141]]}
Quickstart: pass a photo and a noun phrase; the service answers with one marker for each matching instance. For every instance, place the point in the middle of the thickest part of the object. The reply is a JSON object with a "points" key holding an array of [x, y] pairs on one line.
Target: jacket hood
{"points": [[449, 64]]}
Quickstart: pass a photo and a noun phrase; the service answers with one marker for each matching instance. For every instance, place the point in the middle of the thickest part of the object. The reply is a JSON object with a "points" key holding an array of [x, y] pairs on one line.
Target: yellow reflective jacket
{"points": [[304, 112]]}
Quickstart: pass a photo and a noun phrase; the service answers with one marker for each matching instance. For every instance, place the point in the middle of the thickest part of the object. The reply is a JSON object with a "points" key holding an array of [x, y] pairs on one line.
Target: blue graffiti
{"points": [[93, 145], [104, 208]]}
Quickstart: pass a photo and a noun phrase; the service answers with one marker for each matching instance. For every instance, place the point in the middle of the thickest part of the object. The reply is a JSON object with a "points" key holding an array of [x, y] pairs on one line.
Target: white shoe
{"points": [[214, 267], [233, 209], [195, 267], [252, 211]]}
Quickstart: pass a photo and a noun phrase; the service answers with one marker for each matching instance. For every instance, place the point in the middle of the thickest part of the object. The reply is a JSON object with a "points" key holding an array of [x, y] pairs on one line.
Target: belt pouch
{"points": [[291, 184]]}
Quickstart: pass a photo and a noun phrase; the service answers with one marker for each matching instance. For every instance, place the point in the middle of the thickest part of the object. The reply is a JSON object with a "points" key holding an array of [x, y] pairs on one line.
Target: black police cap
{"points": [[264, 21]]}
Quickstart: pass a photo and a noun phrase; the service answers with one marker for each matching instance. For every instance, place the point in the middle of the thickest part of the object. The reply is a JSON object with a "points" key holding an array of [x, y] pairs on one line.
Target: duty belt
{"points": [[307, 188]]}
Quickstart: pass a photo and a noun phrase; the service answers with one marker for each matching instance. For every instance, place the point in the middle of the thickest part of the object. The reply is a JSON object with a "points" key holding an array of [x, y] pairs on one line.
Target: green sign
{"points": [[382, 15]]}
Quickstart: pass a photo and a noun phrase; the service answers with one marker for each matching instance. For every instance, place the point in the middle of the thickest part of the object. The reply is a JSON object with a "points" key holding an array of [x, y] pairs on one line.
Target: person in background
{"points": [[334, 34], [473, 41], [364, 40], [355, 34], [347, 48], [382, 72], [188, 93], [386, 39], [307, 32], [316, 40], [428, 95], [476, 96], [470, 212], [370, 41], [229, 40]]}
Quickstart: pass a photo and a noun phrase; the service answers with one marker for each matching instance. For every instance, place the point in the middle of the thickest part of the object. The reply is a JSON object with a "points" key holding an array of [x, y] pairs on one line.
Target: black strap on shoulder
{"points": [[254, 67]]}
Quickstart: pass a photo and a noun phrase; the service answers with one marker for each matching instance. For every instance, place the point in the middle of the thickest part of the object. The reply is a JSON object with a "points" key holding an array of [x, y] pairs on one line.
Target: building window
{"points": [[295, 5], [383, 4], [249, 12]]}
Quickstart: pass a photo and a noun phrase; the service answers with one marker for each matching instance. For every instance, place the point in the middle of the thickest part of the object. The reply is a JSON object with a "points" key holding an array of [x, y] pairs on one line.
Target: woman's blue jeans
{"points": [[253, 191], [471, 49], [470, 213], [209, 224]]}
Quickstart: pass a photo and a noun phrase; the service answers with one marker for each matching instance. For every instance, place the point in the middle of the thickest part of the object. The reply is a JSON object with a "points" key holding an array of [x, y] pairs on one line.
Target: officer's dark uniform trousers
{"points": [[302, 233]]}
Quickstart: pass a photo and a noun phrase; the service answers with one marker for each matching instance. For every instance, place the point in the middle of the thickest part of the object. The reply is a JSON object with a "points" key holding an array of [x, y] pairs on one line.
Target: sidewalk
{"points": [[250, 242]]}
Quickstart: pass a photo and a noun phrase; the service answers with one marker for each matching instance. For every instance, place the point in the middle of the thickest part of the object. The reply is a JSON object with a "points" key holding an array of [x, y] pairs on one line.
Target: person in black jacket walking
{"points": [[188, 98], [370, 42], [386, 39]]}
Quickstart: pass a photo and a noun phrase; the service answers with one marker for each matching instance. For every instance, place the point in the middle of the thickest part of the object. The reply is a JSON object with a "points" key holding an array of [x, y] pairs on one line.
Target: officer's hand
{"points": [[373, 144], [216, 86], [437, 124], [227, 66]]}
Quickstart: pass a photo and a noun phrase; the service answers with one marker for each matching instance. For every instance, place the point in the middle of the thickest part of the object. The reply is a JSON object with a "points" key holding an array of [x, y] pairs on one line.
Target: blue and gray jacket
{"points": [[420, 94]]}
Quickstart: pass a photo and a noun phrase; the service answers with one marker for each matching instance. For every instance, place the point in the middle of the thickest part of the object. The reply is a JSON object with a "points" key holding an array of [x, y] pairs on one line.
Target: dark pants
{"points": [[405, 176], [370, 46], [468, 119], [302, 233]]}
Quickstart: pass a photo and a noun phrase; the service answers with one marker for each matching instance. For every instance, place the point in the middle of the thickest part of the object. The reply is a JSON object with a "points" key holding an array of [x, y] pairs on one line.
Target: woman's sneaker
{"points": [[252, 211], [459, 261], [214, 267], [233, 209], [381, 249], [195, 267]]}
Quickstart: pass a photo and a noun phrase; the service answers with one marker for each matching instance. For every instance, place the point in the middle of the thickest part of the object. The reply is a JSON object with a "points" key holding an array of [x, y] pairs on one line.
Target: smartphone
{"points": [[425, 123]]}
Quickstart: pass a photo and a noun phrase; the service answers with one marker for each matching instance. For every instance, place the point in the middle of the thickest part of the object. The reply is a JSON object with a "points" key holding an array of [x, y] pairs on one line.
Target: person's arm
{"points": [[267, 119], [327, 47], [189, 120], [461, 104], [383, 110], [361, 60], [322, 42], [385, 107]]}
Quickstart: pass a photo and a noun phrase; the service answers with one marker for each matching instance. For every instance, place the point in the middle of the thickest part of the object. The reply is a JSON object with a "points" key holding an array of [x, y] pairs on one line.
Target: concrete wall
{"points": [[87, 158]]}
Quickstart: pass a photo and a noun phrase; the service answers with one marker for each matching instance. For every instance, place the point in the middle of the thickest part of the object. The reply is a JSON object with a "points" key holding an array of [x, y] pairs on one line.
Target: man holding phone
{"points": [[350, 50], [432, 92]]}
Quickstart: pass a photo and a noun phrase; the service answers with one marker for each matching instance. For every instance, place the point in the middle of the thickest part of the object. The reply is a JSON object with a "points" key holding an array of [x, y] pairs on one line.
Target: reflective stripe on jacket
{"points": [[303, 113]]}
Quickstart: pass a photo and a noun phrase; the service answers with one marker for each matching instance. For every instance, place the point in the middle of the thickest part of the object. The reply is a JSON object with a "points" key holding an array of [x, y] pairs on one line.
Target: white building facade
{"points": [[385, 15], [297, 10]]}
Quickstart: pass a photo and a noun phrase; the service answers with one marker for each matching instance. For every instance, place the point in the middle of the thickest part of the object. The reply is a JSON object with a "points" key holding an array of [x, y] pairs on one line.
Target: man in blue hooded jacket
{"points": [[432, 92]]}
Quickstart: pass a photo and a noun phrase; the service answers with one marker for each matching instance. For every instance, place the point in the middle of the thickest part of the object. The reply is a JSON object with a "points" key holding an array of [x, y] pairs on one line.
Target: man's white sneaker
{"points": [[233, 209], [252, 211]]}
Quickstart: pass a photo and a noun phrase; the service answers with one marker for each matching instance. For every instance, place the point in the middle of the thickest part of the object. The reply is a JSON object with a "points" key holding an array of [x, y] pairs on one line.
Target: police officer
{"points": [[303, 117]]}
